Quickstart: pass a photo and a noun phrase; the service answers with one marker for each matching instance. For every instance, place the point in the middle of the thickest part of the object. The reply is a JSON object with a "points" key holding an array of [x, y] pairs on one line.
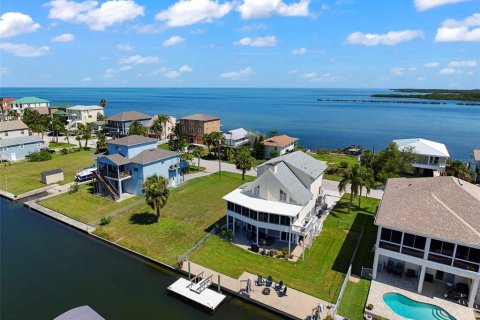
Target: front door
{"points": [[13, 156]]}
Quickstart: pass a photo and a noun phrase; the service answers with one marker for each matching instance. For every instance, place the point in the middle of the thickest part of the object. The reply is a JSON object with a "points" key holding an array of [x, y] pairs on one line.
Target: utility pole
{"points": [[219, 162]]}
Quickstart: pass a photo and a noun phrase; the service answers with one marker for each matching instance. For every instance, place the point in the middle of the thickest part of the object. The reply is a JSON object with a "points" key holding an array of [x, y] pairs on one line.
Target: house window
{"points": [[283, 196], [6, 134], [274, 218], [199, 130], [191, 122], [413, 241], [22, 131], [442, 247], [89, 115], [191, 130], [253, 214], [256, 191], [263, 217], [391, 235], [135, 169], [183, 129], [467, 253], [285, 221]]}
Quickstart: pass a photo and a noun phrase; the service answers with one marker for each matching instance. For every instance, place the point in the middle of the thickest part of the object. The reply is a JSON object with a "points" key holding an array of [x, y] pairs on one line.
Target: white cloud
{"points": [[197, 31], [310, 75], [449, 71], [391, 38], [172, 41], [124, 47], [293, 71], [423, 5], [463, 64], [185, 69], [95, 17], [188, 12], [236, 75], [3, 71], [110, 72], [24, 50], [421, 78], [252, 27], [87, 79], [170, 73], [268, 41], [397, 71], [259, 9], [467, 30], [15, 23], [66, 37], [138, 59], [299, 51], [431, 64]]}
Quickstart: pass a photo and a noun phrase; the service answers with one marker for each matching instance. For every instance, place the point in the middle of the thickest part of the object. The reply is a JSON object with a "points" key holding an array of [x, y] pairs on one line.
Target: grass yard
{"points": [[163, 146], [84, 206], [61, 145], [325, 265], [354, 299], [334, 160], [23, 176], [192, 208]]}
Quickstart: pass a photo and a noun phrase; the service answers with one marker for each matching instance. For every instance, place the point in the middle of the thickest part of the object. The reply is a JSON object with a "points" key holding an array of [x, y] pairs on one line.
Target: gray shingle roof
{"points": [[303, 162], [129, 116], [445, 208], [12, 125], [200, 117], [299, 192], [117, 158], [152, 155], [132, 140], [20, 140]]}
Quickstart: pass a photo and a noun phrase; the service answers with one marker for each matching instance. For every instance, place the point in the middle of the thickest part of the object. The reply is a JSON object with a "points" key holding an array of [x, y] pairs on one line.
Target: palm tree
{"points": [[457, 169], [157, 127], [66, 132], [101, 142], [228, 152], [136, 128], [243, 160], [352, 176], [1, 106], [13, 114], [218, 139], [87, 133], [156, 193], [57, 126], [164, 119], [367, 182], [198, 152], [103, 103], [207, 140]]}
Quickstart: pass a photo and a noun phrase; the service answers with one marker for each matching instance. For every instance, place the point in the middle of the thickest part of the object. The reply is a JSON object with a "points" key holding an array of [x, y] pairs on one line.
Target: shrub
{"points": [[343, 164], [73, 188], [369, 306], [329, 317], [64, 151], [332, 169], [42, 155], [105, 220], [322, 152]]}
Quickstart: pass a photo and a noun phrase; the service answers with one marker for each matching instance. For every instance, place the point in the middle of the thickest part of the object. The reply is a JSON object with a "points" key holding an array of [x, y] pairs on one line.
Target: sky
{"points": [[240, 43]]}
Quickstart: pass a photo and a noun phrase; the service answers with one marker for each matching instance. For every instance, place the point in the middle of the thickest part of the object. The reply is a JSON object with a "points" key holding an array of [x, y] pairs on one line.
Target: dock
{"points": [[197, 292]]}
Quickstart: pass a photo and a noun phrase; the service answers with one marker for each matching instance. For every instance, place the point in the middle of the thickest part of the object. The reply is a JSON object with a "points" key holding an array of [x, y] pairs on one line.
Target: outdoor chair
{"points": [[283, 292], [259, 281], [279, 286], [411, 273], [269, 281]]}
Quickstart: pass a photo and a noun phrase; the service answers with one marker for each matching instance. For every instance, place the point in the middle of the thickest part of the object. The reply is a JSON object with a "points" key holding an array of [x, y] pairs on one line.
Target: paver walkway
{"points": [[295, 304]]}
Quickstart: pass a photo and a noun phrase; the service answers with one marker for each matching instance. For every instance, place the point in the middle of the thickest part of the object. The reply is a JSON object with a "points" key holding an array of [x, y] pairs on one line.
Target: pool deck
{"points": [[378, 289]]}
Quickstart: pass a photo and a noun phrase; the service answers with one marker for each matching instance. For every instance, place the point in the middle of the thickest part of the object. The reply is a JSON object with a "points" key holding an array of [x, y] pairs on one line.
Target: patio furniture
{"points": [[411, 273], [254, 247], [269, 281], [266, 291], [279, 286], [428, 277], [282, 293], [259, 281]]}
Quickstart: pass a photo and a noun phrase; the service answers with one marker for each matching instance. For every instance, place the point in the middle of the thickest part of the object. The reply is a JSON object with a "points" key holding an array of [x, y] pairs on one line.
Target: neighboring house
{"points": [[98, 126], [38, 104], [166, 132], [118, 124], [14, 149], [432, 156], [58, 110], [130, 161], [278, 145], [429, 229], [196, 125], [5, 108], [475, 165], [282, 202], [13, 129], [236, 137], [83, 115]]}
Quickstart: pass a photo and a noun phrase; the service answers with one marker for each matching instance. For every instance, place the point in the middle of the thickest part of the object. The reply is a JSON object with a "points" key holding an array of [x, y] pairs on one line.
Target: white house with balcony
{"points": [[281, 203], [236, 137], [429, 231], [84, 114], [431, 156]]}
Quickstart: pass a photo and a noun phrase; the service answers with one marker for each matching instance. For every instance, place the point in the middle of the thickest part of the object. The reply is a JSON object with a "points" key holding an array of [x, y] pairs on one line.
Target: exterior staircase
{"points": [[107, 184]]}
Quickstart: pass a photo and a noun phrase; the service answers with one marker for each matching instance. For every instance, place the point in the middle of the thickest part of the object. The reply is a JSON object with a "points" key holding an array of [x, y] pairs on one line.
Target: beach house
{"points": [[38, 104], [278, 145], [5, 108], [281, 204], [117, 125], [83, 114], [428, 238], [167, 128], [16, 142], [130, 161], [431, 156], [236, 137], [13, 129], [196, 125]]}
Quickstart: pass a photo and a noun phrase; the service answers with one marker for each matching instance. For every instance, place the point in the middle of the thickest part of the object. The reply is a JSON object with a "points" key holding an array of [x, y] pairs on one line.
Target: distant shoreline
{"points": [[434, 94]]}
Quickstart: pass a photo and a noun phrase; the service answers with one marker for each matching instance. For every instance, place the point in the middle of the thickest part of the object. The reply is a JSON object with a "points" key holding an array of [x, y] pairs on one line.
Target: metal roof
{"points": [[29, 100], [423, 146], [302, 161], [20, 140], [236, 134], [12, 125]]}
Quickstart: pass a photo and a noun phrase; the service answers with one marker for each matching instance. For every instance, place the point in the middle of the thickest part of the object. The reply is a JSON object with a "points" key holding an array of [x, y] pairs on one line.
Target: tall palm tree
{"points": [[136, 128], [164, 119], [243, 160], [207, 140], [352, 176], [156, 193], [198, 152], [103, 103], [66, 132], [367, 181], [87, 133], [57, 126], [13, 114], [157, 127], [218, 139]]}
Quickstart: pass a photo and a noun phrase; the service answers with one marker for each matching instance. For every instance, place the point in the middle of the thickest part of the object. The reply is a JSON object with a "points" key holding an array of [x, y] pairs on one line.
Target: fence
{"points": [[197, 246]]}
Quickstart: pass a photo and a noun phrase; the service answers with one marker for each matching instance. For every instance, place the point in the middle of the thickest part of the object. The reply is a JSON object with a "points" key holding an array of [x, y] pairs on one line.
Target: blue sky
{"points": [[241, 43]]}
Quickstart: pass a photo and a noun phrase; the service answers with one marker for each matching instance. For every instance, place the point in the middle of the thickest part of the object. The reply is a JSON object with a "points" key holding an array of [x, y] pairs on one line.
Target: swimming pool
{"points": [[411, 309]]}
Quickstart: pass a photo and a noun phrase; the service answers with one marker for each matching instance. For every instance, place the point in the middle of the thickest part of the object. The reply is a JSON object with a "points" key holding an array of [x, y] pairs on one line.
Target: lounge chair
{"points": [[269, 281], [282, 293], [259, 281], [279, 286]]}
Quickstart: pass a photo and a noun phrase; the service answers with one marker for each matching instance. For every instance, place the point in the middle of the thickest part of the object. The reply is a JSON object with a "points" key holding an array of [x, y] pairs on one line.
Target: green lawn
{"points": [[325, 265], [84, 206], [333, 161], [354, 299], [61, 145], [192, 208], [23, 176], [163, 146]]}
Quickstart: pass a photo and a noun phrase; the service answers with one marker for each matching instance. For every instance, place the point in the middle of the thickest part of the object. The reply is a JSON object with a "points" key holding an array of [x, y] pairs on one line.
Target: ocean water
{"points": [[295, 112]]}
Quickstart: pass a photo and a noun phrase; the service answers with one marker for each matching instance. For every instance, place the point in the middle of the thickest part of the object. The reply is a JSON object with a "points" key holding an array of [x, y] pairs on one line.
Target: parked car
{"points": [[458, 291]]}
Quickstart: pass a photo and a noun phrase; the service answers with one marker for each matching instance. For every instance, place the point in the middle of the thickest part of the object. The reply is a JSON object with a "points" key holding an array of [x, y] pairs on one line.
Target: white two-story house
{"points": [[83, 114], [431, 156], [282, 202], [236, 138], [429, 230]]}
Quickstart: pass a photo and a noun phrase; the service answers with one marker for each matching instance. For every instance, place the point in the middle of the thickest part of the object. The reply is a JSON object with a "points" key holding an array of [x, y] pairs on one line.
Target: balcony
{"points": [[304, 227], [117, 174]]}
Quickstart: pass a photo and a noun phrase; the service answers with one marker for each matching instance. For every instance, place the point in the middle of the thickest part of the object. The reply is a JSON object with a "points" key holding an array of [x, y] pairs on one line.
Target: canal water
{"points": [[48, 268]]}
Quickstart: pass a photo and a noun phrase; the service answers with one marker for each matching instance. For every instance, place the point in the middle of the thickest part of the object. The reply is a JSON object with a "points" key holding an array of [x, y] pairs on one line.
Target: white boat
{"points": [[85, 173]]}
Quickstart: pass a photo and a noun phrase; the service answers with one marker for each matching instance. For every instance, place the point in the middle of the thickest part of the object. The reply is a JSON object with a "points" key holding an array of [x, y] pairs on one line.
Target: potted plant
{"points": [[370, 306]]}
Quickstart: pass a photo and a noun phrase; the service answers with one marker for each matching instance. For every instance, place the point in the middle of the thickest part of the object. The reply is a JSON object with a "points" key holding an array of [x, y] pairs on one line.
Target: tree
{"points": [[103, 103], [198, 152], [243, 160], [259, 148], [66, 132], [207, 140], [157, 128], [30, 117], [368, 159], [57, 126], [392, 161], [136, 128], [164, 119], [13, 114], [87, 133], [186, 156], [101, 142], [228, 152], [352, 176], [177, 139], [458, 169], [367, 182], [218, 139], [78, 137], [156, 193], [100, 117], [272, 133]]}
